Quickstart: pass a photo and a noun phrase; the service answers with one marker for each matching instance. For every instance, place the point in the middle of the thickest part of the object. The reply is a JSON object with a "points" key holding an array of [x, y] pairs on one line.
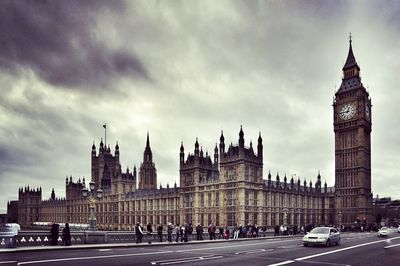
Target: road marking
{"points": [[328, 252], [104, 249], [232, 246], [252, 251], [282, 263], [391, 246], [92, 257], [10, 261], [184, 260]]}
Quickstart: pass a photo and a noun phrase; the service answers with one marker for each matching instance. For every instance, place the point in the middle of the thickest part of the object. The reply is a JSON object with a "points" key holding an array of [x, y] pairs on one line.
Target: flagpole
{"points": [[105, 134]]}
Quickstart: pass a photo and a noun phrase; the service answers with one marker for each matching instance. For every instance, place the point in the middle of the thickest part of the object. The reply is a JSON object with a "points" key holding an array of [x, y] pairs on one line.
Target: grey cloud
{"points": [[57, 40]]}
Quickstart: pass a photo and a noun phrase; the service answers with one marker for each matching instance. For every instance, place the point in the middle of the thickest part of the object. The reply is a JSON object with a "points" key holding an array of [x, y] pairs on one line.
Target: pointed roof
{"points": [[351, 60], [147, 141]]}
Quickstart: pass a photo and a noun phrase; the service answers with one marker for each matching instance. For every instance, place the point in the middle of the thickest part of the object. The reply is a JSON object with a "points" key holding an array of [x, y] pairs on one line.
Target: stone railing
{"points": [[41, 238]]}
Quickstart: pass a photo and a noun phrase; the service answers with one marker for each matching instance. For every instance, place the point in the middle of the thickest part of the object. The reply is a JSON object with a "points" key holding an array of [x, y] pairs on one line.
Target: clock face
{"points": [[347, 111], [367, 114]]}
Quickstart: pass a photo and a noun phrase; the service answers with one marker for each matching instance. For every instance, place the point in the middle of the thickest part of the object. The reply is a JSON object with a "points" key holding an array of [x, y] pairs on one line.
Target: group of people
{"points": [[54, 235], [139, 233], [183, 232]]}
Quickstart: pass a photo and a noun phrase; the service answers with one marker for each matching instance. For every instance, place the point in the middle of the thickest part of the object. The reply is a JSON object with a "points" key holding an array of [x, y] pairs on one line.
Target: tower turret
{"points": [[182, 154], [147, 155], [216, 154], [101, 149], [196, 148], [222, 143], [259, 146], [351, 68], [117, 151], [93, 150], [241, 138]]}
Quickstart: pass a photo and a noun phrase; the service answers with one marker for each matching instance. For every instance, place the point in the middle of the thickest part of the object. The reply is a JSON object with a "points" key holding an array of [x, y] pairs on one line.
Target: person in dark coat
{"points": [[66, 235], [198, 230], [54, 234], [159, 232], [190, 231], [149, 231], [138, 233]]}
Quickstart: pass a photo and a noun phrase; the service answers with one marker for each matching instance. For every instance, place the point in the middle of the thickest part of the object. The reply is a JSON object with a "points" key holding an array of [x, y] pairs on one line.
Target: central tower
{"points": [[352, 127]]}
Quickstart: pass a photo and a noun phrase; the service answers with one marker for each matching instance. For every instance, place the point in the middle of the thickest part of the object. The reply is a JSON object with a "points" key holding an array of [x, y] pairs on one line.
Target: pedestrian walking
{"points": [[236, 232], [138, 233], [169, 231], [66, 235], [198, 230], [159, 232], [226, 233], [149, 231], [190, 231], [221, 232], [183, 233], [178, 229]]}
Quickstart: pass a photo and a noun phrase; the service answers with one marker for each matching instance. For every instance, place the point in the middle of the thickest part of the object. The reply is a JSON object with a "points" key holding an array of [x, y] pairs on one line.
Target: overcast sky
{"points": [[186, 69]]}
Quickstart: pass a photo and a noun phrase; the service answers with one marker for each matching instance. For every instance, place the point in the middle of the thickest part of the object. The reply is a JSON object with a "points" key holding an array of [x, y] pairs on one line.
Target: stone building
{"points": [[229, 187]]}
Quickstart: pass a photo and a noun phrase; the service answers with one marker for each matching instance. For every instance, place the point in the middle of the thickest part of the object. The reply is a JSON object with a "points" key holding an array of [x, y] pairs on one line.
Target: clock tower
{"points": [[352, 126]]}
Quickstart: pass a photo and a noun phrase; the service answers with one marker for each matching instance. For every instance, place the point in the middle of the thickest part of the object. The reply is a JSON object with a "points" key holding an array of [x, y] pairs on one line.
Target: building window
{"points": [[231, 173], [209, 199], [202, 200], [231, 219], [217, 199], [188, 201], [230, 198]]}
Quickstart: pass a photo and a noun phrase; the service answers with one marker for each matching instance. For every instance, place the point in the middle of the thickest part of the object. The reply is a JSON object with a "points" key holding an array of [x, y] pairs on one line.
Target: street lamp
{"points": [[285, 213], [91, 196]]}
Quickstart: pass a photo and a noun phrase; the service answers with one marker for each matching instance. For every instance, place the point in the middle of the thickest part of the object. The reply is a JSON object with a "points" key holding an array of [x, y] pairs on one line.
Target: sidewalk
{"points": [[132, 245]]}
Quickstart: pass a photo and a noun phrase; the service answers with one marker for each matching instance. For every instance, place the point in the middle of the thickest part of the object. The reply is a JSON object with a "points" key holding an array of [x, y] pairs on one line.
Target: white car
{"points": [[322, 236], [384, 231]]}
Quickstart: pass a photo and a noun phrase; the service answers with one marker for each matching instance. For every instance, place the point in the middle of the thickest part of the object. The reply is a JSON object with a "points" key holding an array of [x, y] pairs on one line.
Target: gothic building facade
{"points": [[228, 187]]}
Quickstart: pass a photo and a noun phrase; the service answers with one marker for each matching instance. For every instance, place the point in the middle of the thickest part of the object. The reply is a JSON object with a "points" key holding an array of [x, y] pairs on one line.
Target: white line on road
{"points": [[92, 257], [282, 263], [251, 251], [6, 262], [183, 260], [232, 246], [392, 246]]}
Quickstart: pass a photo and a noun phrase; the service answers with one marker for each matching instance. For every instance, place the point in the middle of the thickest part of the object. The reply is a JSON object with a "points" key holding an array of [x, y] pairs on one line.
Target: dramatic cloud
{"points": [[187, 69], [58, 41]]}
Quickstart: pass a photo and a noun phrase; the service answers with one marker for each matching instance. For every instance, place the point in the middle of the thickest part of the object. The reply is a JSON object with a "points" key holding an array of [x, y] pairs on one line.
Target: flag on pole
{"points": [[104, 125]]}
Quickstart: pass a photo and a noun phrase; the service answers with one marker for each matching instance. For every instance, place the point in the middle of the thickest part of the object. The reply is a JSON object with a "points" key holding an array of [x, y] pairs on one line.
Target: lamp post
{"points": [[285, 212], [340, 219], [92, 196]]}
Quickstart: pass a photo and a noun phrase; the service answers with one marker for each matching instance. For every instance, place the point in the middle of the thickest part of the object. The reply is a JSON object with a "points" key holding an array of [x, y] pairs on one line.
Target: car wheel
{"points": [[338, 242], [328, 243], [304, 244]]}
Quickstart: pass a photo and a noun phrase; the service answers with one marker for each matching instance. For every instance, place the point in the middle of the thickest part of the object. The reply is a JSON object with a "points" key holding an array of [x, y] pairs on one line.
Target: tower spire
{"points": [[147, 141]]}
